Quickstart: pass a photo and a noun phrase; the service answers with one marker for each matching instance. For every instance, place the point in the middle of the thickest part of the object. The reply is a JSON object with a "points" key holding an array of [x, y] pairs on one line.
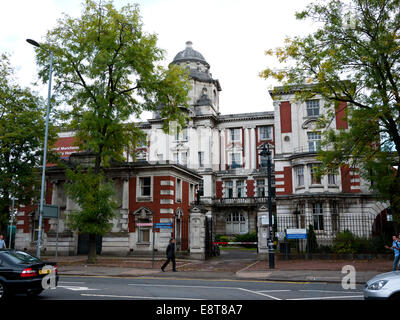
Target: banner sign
{"points": [[296, 233]]}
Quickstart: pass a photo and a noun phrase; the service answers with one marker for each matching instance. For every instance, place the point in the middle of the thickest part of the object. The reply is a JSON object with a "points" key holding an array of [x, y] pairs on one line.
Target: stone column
{"points": [[125, 205], [197, 232], [253, 148]]}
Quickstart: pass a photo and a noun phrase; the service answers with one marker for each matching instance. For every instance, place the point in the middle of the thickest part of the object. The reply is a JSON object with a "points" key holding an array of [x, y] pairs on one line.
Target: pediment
{"points": [[143, 212]]}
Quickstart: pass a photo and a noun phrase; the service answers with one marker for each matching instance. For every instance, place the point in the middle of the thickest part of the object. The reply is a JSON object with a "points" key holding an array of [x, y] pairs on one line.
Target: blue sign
{"points": [[165, 225], [296, 234]]}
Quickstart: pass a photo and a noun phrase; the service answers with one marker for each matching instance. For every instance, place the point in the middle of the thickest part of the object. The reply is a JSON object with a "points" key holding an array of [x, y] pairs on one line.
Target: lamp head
{"points": [[33, 42]]}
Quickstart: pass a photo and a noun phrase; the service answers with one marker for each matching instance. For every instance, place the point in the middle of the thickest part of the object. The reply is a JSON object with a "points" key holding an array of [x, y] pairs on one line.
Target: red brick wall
{"points": [[286, 117], [287, 181], [250, 188], [218, 187], [341, 121]]}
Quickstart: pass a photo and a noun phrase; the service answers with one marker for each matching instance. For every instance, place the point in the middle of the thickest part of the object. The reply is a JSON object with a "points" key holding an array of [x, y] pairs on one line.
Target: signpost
{"points": [[53, 212]]}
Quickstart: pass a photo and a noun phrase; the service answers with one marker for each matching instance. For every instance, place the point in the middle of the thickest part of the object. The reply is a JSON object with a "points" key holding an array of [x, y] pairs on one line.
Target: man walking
{"points": [[396, 248], [170, 255], [2, 242]]}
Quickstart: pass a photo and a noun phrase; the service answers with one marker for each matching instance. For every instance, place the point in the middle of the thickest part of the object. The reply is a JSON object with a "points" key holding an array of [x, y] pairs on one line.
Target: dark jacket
{"points": [[171, 250]]}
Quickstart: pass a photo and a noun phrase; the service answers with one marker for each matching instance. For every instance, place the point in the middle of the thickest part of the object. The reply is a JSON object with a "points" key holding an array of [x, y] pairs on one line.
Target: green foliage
{"points": [[107, 70], [22, 115], [312, 245], [352, 58], [248, 237], [94, 195]]}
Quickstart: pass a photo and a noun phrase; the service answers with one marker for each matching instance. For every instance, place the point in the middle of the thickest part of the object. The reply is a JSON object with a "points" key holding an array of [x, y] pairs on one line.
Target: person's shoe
{"points": [[162, 269]]}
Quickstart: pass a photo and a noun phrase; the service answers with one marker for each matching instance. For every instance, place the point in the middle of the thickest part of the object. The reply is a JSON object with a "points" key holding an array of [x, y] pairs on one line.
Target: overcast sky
{"points": [[232, 35]]}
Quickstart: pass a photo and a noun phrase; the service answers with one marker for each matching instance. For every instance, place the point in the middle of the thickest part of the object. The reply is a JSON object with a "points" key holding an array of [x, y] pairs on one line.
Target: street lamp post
{"points": [[265, 152], [34, 43]]}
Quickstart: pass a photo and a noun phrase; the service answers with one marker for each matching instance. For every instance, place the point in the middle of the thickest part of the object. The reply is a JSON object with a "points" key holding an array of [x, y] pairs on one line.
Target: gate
{"points": [[208, 237]]}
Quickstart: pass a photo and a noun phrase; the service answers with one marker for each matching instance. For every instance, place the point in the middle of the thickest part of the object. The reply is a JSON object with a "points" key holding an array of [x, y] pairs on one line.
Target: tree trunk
{"points": [[92, 249]]}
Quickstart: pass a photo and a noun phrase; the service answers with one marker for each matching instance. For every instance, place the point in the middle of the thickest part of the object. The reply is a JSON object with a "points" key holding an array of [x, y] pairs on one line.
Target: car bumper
{"points": [[26, 285], [376, 294]]}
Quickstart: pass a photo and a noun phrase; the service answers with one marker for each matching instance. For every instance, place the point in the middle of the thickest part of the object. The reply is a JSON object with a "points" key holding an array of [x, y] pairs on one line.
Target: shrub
{"points": [[344, 243], [248, 237], [312, 245]]}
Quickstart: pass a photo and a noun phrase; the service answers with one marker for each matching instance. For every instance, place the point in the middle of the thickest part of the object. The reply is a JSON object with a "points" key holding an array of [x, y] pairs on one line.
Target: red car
{"points": [[21, 272]]}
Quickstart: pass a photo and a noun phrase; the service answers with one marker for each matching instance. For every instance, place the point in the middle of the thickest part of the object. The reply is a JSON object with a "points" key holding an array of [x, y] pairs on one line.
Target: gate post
{"points": [[263, 233], [197, 232]]}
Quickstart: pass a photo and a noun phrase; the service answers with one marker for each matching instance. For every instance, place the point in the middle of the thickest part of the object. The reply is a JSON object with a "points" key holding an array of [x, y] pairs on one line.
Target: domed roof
{"points": [[189, 54]]}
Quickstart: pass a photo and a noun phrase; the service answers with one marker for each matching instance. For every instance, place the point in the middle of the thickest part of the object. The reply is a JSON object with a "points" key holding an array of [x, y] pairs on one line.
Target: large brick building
{"points": [[218, 154]]}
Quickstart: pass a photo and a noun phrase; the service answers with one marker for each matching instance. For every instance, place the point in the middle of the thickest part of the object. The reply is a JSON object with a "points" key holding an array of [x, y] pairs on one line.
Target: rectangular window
{"points": [[315, 177], [144, 234], [300, 175], [314, 141], [260, 184], [184, 158], [240, 189], [265, 133], [332, 177], [178, 190], [181, 135], [228, 189], [145, 186], [318, 216], [201, 159], [312, 108], [235, 160], [200, 189], [235, 134], [191, 193]]}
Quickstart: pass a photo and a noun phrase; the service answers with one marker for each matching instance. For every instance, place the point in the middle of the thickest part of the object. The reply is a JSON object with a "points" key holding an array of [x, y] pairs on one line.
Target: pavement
{"points": [[227, 266]]}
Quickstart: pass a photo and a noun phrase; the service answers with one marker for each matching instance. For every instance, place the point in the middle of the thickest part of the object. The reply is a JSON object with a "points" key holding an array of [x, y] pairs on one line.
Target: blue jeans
{"points": [[396, 262]]}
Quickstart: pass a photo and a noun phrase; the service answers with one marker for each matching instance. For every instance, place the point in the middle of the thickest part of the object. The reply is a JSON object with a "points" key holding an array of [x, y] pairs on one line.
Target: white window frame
{"points": [[314, 141], [201, 159], [228, 186], [300, 175], [236, 223], [235, 134], [178, 190], [265, 130], [139, 188], [238, 164], [313, 108], [318, 216], [313, 177]]}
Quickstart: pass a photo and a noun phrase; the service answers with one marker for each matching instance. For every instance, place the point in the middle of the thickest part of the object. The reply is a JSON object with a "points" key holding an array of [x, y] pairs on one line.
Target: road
{"points": [[160, 288]]}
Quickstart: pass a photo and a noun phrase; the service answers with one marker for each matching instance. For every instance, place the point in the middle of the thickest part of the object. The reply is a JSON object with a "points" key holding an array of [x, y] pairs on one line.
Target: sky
{"points": [[232, 35]]}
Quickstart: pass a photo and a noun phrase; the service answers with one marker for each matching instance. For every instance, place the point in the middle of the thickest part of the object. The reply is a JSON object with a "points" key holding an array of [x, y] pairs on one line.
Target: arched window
{"points": [[235, 223]]}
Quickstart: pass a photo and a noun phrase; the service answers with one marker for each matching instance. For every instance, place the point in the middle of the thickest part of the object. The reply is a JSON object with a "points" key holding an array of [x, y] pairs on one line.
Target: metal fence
{"points": [[326, 227]]}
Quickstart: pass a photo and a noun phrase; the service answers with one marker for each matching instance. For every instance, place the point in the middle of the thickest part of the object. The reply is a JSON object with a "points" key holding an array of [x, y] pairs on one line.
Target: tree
{"points": [[107, 69], [353, 58], [21, 141]]}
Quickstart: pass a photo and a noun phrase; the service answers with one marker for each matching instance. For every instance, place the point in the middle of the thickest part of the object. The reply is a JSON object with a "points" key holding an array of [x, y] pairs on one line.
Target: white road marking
{"points": [[75, 282], [135, 297], [327, 291], [324, 298], [205, 287], [265, 291], [73, 288]]}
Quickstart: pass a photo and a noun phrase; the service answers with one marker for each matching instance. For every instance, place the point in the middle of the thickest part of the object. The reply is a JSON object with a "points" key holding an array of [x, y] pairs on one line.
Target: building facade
{"points": [[217, 157]]}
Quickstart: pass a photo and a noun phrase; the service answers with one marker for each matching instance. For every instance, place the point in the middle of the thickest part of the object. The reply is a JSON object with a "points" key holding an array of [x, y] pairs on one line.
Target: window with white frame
{"points": [[300, 175], [235, 160], [201, 159], [260, 185], [314, 141], [235, 134], [178, 190], [265, 132], [315, 175], [145, 186], [318, 216], [332, 177], [181, 135], [181, 158], [228, 189], [240, 189], [235, 223], [144, 232], [312, 108]]}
